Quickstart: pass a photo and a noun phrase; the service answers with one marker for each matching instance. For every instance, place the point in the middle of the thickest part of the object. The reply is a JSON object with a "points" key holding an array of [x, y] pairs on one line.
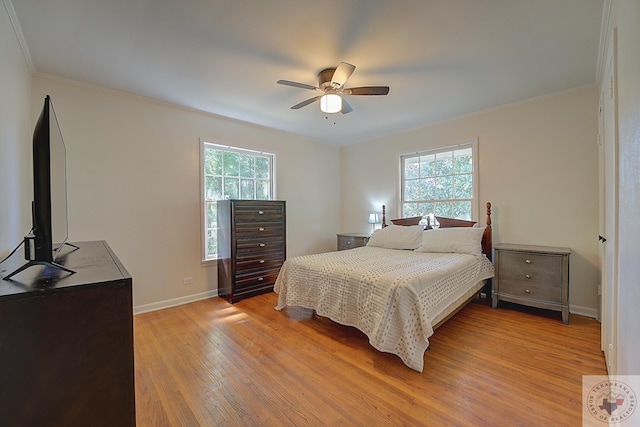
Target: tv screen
{"points": [[49, 186], [58, 176], [49, 208]]}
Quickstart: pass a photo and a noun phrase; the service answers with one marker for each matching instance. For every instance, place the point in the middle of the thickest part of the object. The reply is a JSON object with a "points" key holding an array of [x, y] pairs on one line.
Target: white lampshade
{"points": [[373, 218], [330, 103]]}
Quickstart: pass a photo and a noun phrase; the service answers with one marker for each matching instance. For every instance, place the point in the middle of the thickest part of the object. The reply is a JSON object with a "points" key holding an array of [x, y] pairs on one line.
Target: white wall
{"points": [[625, 15], [133, 180], [16, 179], [538, 167]]}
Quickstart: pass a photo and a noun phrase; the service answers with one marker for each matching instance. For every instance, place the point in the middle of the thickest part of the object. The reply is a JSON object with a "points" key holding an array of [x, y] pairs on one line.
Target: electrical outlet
{"points": [[187, 280], [599, 290]]}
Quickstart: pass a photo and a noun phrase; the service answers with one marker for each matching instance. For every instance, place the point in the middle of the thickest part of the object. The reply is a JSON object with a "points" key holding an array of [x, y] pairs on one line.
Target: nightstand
{"points": [[352, 240], [536, 276]]}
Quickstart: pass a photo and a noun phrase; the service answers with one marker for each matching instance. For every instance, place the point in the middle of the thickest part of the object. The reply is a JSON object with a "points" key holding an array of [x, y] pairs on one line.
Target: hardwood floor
{"points": [[211, 363]]}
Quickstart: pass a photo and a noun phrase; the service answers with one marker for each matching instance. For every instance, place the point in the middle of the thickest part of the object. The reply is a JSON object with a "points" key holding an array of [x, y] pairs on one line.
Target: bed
{"points": [[407, 281]]}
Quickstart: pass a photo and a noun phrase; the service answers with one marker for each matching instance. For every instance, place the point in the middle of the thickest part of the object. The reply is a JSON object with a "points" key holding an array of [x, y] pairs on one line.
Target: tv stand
{"points": [[70, 244], [45, 264], [33, 263], [66, 352]]}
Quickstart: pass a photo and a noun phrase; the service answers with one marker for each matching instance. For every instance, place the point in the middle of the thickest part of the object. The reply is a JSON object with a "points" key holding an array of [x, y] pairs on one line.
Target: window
{"points": [[440, 182], [231, 173]]}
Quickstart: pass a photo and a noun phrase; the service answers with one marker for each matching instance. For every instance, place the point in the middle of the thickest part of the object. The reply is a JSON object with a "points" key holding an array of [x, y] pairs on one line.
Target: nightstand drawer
{"points": [[534, 268], [350, 241], [529, 291]]}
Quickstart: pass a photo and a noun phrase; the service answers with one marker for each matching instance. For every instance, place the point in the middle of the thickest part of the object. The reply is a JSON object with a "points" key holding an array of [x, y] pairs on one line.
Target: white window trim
{"points": [[203, 226], [473, 143]]}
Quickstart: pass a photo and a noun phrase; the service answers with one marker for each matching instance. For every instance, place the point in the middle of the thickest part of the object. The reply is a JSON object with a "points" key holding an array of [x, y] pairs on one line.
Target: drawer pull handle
{"points": [[261, 261], [260, 279], [528, 261], [349, 242], [261, 229], [260, 213], [262, 245], [527, 291], [527, 276]]}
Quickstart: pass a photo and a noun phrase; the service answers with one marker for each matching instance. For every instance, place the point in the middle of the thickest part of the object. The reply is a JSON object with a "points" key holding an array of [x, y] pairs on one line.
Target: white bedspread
{"points": [[388, 294]]}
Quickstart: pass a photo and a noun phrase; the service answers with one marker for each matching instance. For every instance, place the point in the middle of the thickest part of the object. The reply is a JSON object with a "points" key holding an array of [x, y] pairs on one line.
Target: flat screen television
{"points": [[49, 231]]}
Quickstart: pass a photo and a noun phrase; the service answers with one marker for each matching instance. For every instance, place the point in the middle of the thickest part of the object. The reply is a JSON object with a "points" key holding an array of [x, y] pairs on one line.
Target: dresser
{"points": [[351, 240], [251, 246], [536, 276], [66, 342]]}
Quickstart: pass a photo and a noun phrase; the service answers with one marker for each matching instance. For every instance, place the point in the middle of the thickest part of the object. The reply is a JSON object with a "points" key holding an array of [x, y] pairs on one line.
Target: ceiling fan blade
{"points": [[342, 73], [346, 108], [296, 84], [367, 90], [306, 102]]}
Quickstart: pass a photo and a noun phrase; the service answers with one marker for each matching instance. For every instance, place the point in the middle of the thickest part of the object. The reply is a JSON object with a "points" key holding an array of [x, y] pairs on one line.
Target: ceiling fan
{"points": [[331, 82]]}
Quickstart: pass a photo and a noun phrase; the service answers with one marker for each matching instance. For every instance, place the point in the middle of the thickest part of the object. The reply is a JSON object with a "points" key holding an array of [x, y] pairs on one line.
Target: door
{"points": [[608, 141]]}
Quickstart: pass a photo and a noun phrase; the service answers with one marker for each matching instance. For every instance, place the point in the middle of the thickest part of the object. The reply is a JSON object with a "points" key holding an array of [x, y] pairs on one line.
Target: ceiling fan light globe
{"points": [[330, 103]]}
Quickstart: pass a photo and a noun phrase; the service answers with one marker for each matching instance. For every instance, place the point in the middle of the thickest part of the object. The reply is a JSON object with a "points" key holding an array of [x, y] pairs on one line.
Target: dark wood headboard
{"points": [[487, 242]]}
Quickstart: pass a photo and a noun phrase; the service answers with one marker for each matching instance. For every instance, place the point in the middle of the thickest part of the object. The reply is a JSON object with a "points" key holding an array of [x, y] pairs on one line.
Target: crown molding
{"points": [[11, 12], [605, 28]]}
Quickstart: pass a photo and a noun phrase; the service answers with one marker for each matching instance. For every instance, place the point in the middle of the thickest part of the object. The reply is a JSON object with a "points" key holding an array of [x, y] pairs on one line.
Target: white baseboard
{"points": [[584, 311], [139, 309], [575, 309]]}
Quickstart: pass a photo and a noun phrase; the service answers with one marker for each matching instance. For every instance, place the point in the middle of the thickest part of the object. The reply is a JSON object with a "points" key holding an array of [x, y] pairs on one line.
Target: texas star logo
{"points": [[611, 401]]}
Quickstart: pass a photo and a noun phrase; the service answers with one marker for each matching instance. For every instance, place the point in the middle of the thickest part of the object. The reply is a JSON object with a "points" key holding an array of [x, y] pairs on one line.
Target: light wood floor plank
{"points": [[211, 363]]}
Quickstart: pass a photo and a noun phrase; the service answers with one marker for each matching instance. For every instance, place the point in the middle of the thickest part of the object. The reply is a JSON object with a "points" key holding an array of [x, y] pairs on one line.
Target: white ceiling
{"points": [[441, 58]]}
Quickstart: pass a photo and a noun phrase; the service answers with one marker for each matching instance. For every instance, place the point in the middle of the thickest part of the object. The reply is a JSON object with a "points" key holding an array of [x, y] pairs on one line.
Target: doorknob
{"points": [[602, 239]]}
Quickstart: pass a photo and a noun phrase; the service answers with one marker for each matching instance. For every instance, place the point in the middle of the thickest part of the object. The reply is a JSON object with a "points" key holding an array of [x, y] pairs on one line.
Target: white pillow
{"points": [[463, 240], [397, 237]]}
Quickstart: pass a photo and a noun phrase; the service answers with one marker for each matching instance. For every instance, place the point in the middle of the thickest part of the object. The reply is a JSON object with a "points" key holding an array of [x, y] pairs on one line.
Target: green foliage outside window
{"points": [[438, 184]]}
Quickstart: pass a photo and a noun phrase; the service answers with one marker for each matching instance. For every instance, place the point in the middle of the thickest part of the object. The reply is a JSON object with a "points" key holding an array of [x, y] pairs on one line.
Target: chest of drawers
{"points": [[351, 240], [536, 276], [251, 246]]}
